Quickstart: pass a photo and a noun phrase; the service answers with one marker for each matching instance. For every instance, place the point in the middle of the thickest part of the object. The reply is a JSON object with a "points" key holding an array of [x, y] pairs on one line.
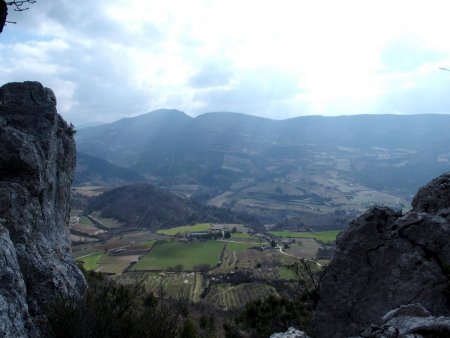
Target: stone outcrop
{"points": [[37, 160], [292, 332], [385, 260], [409, 321]]}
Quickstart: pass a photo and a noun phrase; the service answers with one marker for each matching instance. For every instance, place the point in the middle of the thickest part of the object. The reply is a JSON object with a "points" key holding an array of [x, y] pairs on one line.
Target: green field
{"points": [[286, 273], [144, 244], [185, 229], [86, 221], [238, 247], [90, 262], [242, 235], [323, 236], [167, 256]]}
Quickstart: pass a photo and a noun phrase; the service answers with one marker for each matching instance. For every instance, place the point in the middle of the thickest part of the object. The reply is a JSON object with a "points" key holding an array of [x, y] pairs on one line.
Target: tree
{"points": [[307, 274], [273, 243], [18, 6], [260, 318], [188, 329]]}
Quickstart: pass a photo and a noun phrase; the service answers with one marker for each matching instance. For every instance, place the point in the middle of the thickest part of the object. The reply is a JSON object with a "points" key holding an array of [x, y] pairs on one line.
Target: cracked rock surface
{"points": [[384, 260], [37, 160]]}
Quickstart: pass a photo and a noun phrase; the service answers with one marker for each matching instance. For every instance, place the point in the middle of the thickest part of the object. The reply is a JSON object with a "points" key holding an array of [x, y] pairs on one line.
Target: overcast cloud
{"points": [[107, 59]]}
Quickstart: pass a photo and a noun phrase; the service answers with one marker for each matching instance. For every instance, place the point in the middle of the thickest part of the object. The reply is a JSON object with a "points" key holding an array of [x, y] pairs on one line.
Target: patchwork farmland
{"points": [[223, 265]]}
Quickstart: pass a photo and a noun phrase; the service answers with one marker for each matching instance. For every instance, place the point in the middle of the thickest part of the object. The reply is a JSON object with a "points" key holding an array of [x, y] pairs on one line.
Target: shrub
{"points": [[261, 318], [113, 310]]}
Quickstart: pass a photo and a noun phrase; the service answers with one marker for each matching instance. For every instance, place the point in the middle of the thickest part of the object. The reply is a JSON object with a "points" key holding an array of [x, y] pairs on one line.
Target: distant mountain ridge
{"points": [[91, 170], [306, 164]]}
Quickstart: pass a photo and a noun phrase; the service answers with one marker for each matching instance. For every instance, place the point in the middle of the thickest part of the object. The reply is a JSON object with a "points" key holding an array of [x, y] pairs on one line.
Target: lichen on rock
{"points": [[37, 160]]}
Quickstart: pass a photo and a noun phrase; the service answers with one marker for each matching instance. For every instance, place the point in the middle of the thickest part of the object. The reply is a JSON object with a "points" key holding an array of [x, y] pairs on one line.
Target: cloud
{"points": [[212, 75], [110, 59], [407, 54], [424, 92], [263, 91]]}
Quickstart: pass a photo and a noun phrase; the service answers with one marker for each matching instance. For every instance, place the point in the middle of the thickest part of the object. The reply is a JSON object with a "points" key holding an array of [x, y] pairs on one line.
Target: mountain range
{"points": [[310, 165]]}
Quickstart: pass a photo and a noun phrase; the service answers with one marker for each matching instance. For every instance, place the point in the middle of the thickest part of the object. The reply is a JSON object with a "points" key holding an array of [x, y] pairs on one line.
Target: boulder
{"points": [[385, 260], [37, 161], [292, 332], [409, 321]]}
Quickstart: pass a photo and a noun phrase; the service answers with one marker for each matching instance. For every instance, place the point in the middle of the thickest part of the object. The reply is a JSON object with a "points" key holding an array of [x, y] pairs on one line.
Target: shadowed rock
{"points": [[37, 160], [384, 260]]}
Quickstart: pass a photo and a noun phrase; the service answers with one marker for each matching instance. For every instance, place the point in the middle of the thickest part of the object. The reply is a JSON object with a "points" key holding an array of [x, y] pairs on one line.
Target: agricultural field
{"points": [[200, 227], [82, 239], [131, 240], [180, 256], [89, 230], [189, 269], [322, 236], [107, 222], [238, 257], [246, 237], [230, 227], [303, 248], [188, 285], [90, 262], [86, 221], [238, 246], [229, 297], [185, 229], [115, 264]]}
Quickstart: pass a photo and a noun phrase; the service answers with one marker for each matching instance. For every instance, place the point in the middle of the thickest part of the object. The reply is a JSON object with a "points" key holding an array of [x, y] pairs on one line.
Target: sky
{"points": [[109, 59]]}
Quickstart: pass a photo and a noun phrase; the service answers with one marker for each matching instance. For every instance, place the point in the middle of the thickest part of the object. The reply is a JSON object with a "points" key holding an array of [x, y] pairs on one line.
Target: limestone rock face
{"points": [[384, 260], [409, 321], [37, 160], [292, 332]]}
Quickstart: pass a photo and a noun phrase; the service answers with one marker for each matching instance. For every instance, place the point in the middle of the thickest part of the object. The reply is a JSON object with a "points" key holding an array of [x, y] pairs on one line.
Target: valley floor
{"points": [[223, 265]]}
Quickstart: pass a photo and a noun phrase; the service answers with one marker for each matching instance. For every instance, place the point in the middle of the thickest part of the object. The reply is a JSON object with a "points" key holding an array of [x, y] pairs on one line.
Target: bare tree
{"points": [[18, 6], [3, 14]]}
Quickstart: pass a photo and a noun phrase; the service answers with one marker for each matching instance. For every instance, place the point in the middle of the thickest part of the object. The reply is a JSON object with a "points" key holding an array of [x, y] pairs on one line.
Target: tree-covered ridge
{"points": [[146, 206]]}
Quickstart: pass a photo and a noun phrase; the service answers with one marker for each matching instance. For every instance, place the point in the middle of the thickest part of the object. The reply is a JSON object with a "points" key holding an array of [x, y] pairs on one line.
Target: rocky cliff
{"points": [[37, 160], [385, 260]]}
